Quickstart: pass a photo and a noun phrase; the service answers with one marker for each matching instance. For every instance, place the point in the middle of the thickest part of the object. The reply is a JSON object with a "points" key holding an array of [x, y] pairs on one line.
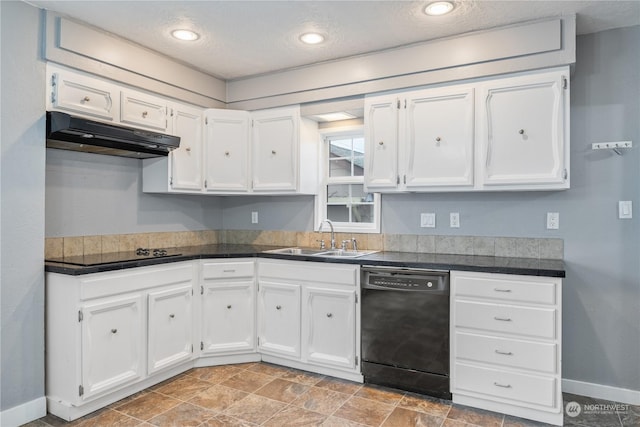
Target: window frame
{"points": [[321, 201]]}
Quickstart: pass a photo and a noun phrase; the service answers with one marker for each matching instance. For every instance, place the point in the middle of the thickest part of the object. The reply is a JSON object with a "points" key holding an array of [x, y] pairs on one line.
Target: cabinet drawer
{"points": [[531, 355], [310, 271], [507, 288], [526, 321], [143, 110], [84, 95], [223, 270], [528, 389]]}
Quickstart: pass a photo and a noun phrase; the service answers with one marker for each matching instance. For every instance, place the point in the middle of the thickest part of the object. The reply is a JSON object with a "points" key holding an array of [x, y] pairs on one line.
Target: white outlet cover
{"points": [[553, 220], [454, 219], [428, 220], [625, 209], [254, 217]]}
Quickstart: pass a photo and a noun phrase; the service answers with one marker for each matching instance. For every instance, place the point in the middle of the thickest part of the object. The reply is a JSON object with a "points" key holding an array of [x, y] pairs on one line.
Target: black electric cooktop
{"points": [[116, 257]]}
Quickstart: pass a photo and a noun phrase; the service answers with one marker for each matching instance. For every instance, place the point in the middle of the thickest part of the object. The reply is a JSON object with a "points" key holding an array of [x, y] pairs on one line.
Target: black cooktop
{"points": [[116, 257]]}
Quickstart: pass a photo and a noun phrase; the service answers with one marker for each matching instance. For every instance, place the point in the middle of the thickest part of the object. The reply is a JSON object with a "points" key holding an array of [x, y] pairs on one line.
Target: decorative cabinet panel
{"points": [[506, 344], [143, 110], [510, 133], [170, 327], [524, 131], [186, 161], [228, 307], [228, 137], [112, 344], [330, 326], [279, 318], [80, 94]]}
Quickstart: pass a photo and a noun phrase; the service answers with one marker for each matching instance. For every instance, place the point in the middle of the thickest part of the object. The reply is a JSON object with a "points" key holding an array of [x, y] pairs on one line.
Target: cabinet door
{"points": [[141, 109], [186, 161], [227, 150], [330, 326], [228, 317], [112, 344], [275, 149], [170, 327], [381, 139], [279, 319], [87, 96], [523, 130], [438, 138]]}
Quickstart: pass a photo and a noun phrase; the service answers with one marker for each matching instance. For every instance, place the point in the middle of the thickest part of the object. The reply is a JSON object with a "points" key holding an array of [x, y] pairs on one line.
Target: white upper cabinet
{"points": [[227, 150], [143, 110], [381, 136], [509, 133], [275, 143], [438, 138], [81, 94], [524, 125], [186, 161]]}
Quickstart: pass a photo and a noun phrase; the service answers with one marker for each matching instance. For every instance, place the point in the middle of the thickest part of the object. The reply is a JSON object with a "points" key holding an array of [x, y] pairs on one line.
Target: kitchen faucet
{"points": [[333, 235]]}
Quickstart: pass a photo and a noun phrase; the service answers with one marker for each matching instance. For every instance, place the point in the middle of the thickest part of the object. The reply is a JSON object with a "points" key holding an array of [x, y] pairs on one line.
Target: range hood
{"points": [[78, 134]]}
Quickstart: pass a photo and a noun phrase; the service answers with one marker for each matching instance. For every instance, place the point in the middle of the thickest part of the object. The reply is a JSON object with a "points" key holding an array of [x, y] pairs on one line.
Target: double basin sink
{"points": [[328, 253]]}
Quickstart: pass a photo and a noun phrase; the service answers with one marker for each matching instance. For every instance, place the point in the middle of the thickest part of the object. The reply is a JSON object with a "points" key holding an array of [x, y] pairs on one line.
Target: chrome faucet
{"points": [[333, 235]]}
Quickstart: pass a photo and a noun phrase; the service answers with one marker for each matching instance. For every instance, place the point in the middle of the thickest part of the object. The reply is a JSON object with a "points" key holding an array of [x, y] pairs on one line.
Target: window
{"points": [[343, 199]]}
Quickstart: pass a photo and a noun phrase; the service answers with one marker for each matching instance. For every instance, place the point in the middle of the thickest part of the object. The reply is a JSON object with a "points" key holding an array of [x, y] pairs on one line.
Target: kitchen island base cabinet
{"points": [[506, 344], [107, 334]]}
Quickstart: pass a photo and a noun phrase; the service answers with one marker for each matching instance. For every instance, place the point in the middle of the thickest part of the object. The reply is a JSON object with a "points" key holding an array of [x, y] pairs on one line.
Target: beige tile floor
{"points": [[253, 394]]}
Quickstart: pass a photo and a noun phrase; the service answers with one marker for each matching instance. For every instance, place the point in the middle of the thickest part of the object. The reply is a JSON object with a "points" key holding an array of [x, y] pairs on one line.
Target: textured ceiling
{"points": [[244, 38]]}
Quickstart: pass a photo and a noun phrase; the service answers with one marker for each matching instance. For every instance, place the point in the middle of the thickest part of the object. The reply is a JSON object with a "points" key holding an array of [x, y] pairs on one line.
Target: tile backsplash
{"points": [[518, 247]]}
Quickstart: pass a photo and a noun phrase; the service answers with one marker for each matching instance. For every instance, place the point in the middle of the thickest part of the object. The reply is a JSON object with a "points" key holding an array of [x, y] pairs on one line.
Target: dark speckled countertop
{"points": [[77, 265]]}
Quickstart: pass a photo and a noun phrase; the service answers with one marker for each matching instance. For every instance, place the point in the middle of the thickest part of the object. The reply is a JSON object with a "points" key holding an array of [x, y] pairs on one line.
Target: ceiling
{"points": [[244, 38]]}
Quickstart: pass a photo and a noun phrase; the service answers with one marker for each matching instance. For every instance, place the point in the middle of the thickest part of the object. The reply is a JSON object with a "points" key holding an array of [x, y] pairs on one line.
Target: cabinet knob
{"points": [[86, 99], [329, 315], [437, 139], [521, 131], [172, 315], [381, 143], [273, 151], [114, 331], [144, 114], [229, 306], [188, 149], [226, 153], [278, 307]]}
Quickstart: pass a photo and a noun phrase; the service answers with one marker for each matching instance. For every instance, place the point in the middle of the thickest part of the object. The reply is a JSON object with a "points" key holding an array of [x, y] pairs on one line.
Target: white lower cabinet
{"points": [[308, 316], [506, 344], [228, 307]]}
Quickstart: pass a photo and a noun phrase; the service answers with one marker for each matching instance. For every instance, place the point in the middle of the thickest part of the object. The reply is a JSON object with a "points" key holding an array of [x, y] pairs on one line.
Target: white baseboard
{"points": [[598, 391], [24, 413]]}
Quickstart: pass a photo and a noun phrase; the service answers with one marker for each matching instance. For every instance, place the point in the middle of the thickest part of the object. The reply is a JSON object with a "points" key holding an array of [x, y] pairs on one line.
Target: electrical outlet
{"points": [[428, 220], [553, 220], [625, 209], [254, 217], [454, 219]]}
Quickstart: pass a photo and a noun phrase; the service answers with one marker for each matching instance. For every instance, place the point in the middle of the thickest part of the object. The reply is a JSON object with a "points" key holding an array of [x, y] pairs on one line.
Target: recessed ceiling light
{"points": [[312, 38], [186, 35], [438, 8]]}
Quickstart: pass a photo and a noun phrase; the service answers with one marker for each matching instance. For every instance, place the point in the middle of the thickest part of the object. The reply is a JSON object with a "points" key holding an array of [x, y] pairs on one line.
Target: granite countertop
{"points": [[77, 265]]}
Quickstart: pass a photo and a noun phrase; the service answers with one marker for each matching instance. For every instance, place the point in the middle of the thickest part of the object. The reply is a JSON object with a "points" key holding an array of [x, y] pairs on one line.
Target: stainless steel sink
{"points": [[333, 253]]}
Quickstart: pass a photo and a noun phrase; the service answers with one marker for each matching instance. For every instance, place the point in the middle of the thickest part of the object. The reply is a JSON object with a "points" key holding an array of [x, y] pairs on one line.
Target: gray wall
{"points": [[601, 333], [91, 194], [21, 207]]}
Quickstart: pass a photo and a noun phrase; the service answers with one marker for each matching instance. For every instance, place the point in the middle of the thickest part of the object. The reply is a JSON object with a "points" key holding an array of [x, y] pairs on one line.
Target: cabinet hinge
{"points": [[206, 120], [201, 290], [398, 179], [405, 104], [80, 390], [170, 180], [565, 83], [191, 348], [201, 345], [191, 292], [258, 341], [172, 112], [404, 178], [356, 299], [205, 183], [357, 360], [398, 105], [565, 174], [80, 316]]}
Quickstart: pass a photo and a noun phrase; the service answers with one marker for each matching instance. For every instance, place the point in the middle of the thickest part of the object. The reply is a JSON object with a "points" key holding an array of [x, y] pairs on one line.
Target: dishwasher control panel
{"points": [[410, 280]]}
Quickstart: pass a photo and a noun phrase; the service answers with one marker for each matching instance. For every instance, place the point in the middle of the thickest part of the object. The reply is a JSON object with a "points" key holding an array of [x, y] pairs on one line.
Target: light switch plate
{"points": [[625, 209], [428, 220], [254, 217], [454, 219]]}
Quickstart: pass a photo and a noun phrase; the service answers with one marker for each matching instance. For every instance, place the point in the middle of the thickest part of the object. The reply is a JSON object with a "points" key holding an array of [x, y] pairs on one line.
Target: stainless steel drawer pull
{"points": [[114, 331], [502, 385], [503, 319], [278, 307], [501, 290], [506, 353], [228, 271]]}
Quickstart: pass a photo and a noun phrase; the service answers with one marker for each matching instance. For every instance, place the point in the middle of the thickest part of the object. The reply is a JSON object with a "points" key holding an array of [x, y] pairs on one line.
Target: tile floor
{"points": [[253, 394]]}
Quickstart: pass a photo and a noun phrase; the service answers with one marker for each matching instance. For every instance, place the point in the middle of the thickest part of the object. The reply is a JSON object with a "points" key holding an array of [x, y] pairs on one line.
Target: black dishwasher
{"points": [[405, 329]]}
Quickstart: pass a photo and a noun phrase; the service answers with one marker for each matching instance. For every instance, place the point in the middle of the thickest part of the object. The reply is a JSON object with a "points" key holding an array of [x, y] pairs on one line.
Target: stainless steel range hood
{"points": [[78, 134]]}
